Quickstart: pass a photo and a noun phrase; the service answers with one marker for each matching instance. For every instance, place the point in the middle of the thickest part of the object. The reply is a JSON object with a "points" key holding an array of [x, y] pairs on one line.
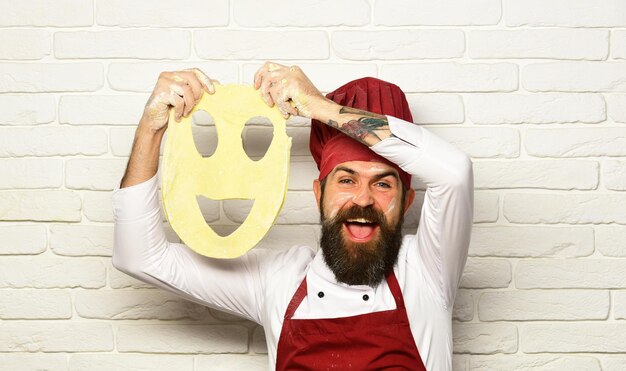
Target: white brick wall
{"points": [[533, 90]]}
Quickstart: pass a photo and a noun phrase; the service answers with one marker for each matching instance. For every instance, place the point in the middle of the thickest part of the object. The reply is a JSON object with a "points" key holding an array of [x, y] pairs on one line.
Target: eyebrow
{"points": [[377, 176]]}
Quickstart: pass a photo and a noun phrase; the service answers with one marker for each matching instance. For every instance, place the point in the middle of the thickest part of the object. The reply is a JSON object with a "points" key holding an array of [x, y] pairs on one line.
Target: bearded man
{"points": [[370, 298]]}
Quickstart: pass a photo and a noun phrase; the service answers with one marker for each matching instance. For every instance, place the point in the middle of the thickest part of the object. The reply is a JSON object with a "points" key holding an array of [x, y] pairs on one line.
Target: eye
{"points": [[346, 181], [383, 185]]}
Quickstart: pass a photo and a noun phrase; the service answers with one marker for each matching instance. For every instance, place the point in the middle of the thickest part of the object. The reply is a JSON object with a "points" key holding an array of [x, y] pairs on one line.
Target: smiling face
{"points": [[362, 206]]}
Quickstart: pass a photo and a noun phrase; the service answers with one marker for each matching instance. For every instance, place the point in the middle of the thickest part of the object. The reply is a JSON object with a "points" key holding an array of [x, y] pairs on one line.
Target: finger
{"points": [[265, 92], [204, 79], [286, 109], [193, 81], [175, 100], [190, 102], [258, 75], [284, 103]]}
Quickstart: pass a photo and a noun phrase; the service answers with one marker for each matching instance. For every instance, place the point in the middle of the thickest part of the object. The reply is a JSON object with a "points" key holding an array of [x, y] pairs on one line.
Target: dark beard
{"points": [[360, 263]]}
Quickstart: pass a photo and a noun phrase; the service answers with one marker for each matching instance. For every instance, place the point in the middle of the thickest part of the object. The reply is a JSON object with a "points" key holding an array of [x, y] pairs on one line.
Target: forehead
{"points": [[365, 168]]}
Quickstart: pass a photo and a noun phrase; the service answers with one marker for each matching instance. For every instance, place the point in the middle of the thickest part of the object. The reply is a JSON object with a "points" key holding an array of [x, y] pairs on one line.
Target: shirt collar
{"points": [[322, 271]]}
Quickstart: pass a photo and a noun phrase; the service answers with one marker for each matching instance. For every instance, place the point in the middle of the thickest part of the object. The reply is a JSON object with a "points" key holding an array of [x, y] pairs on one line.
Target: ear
{"points": [[317, 189], [410, 197]]}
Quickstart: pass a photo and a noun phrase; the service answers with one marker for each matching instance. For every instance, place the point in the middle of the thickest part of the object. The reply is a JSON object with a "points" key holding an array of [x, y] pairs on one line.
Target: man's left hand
{"points": [[290, 89]]}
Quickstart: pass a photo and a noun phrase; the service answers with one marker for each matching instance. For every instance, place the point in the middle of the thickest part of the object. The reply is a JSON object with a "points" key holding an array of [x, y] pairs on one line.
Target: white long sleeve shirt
{"points": [[259, 285]]}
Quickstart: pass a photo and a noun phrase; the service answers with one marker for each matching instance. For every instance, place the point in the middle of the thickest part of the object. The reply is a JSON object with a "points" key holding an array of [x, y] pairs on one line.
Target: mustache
{"points": [[356, 212]]}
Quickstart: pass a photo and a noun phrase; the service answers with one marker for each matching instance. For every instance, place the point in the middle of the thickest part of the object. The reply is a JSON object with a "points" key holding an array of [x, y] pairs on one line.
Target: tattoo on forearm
{"points": [[367, 128]]}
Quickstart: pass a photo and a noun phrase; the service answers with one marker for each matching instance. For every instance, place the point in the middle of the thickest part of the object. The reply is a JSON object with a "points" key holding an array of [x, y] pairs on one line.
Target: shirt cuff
{"points": [[137, 201]]}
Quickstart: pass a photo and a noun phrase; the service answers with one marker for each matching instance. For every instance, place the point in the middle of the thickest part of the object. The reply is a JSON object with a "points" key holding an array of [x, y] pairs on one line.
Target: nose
{"points": [[364, 196]]}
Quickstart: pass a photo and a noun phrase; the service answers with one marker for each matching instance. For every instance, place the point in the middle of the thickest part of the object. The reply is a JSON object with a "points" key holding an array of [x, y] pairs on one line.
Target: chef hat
{"points": [[330, 147]]}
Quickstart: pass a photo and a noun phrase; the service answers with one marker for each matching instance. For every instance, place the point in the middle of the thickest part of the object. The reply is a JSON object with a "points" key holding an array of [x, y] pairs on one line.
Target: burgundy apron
{"points": [[371, 341]]}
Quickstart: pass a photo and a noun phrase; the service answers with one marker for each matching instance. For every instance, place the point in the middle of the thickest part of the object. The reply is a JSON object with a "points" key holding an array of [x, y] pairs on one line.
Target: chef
{"points": [[369, 297]]}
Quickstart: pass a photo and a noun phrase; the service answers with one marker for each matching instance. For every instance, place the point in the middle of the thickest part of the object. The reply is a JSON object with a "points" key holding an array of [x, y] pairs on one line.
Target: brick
{"points": [[275, 13], [610, 240], [23, 239], [264, 45], [145, 13], [544, 108], [541, 305], [302, 174], [575, 76], [550, 174], [140, 44], [227, 362], [299, 208], [122, 141], [51, 273], [259, 345], [452, 77], [618, 44], [398, 44], [101, 109], [35, 304], [567, 13], [326, 77], [141, 77], [619, 306], [528, 362], [547, 43], [617, 107], [459, 362], [282, 237], [107, 362], [97, 175], [34, 362], [424, 12], [136, 304], [613, 363], [81, 240], [182, 338], [24, 44], [436, 108], [486, 273], [256, 140], [31, 173], [46, 336], [482, 142], [463, 306], [50, 77], [573, 338], [486, 207], [52, 141], [614, 175], [564, 208], [40, 206], [571, 273], [531, 242], [97, 206], [484, 338], [65, 13], [576, 142], [27, 109]]}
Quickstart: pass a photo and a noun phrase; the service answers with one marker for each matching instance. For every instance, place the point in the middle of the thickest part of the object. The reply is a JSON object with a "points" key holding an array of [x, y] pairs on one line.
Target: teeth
{"points": [[359, 220]]}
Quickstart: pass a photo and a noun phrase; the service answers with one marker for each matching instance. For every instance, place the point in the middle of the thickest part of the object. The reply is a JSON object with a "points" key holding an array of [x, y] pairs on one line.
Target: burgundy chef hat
{"points": [[330, 147]]}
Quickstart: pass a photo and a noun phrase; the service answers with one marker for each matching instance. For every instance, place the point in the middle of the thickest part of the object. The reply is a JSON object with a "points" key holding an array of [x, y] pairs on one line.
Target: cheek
{"points": [[334, 204], [390, 206]]}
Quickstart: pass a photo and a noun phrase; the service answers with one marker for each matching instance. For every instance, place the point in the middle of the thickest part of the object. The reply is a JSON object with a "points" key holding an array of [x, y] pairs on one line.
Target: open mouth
{"points": [[360, 229]]}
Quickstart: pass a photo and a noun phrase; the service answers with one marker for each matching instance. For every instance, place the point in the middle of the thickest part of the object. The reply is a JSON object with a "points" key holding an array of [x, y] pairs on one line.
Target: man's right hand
{"points": [[180, 90]]}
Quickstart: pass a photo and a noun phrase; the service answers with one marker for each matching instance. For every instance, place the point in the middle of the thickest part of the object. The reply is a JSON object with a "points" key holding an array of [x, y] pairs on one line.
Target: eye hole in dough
{"points": [[204, 135], [257, 139]]}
